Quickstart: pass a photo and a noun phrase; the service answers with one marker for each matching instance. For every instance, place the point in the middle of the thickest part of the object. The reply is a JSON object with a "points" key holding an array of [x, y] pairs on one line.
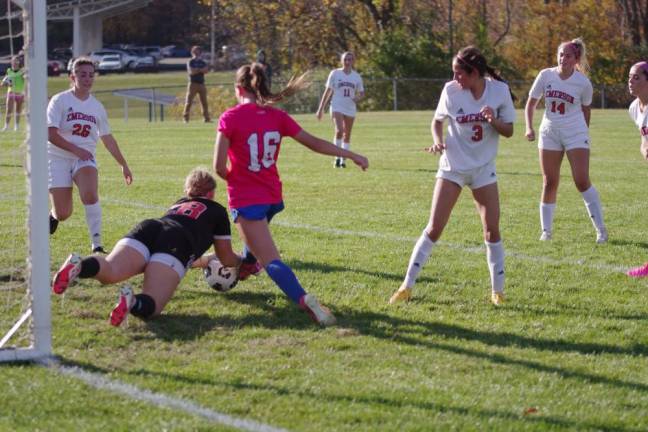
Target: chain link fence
{"points": [[386, 94]]}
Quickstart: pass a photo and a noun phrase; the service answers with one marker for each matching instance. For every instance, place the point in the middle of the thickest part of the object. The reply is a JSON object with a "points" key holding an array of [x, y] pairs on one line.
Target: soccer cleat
{"points": [[497, 298], [320, 314], [123, 306], [601, 236], [53, 222], [402, 295], [638, 272], [67, 274], [249, 269], [342, 164], [337, 162], [16, 128], [5, 128], [545, 236], [99, 250]]}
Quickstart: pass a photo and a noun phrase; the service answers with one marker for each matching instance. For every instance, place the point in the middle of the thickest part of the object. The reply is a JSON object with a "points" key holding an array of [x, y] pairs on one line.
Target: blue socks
{"points": [[284, 277]]}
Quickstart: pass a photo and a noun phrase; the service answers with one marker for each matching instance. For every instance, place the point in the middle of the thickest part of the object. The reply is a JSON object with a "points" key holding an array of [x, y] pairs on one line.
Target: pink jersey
{"points": [[255, 133]]}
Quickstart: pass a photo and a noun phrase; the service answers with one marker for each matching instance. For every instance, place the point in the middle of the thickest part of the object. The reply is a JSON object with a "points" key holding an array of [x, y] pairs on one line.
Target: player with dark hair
{"points": [[565, 130], [76, 121], [249, 137], [14, 80], [162, 249], [479, 109]]}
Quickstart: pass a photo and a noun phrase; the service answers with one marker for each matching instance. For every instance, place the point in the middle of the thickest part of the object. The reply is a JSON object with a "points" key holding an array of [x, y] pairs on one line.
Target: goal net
{"points": [[25, 318]]}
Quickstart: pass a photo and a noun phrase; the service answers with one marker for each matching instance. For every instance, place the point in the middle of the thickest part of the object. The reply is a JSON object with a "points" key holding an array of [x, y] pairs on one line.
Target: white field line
{"points": [[100, 382], [396, 238]]}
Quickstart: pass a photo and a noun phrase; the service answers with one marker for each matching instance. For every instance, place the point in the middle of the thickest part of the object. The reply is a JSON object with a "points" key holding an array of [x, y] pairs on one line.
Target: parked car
{"points": [[175, 51], [154, 51], [111, 63], [128, 59], [145, 64]]}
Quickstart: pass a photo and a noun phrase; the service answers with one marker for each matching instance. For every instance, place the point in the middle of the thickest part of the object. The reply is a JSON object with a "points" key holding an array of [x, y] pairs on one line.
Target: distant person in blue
{"points": [[196, 68]]}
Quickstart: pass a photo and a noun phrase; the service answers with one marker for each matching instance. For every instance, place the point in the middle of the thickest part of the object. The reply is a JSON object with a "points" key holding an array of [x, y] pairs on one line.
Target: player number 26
{"points": [[270, 141], [80, 130]]}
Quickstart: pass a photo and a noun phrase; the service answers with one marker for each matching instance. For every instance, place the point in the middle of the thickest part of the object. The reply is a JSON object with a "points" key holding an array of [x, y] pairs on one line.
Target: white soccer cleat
{"points": [[601, 236], [545, 236], [320, 314]]}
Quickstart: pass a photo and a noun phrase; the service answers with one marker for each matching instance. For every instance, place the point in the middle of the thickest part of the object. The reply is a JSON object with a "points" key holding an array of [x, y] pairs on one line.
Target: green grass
{"points": [[571, 342]]}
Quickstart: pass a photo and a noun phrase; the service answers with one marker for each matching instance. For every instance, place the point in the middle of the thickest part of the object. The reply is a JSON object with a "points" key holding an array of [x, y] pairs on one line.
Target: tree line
{"points": [[401, 38]]}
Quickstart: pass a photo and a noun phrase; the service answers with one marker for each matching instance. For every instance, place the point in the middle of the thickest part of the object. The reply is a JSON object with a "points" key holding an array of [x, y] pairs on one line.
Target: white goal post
{"points": [[34, 315]]}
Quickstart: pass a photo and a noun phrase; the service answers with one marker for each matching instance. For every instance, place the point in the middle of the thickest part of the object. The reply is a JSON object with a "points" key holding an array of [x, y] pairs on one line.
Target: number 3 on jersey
{"points": [[270, 142], [478, 133]]}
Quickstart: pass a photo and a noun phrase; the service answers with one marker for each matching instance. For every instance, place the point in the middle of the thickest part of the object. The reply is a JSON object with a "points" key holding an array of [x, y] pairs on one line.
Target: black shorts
{"points": [[164, 237]]}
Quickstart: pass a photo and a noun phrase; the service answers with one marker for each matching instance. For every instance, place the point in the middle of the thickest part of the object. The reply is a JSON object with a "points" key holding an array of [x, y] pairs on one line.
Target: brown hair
{"points": [[80, 61], [252, 78], [580, 52], [470, 58], [199, 183], [643, 66]]}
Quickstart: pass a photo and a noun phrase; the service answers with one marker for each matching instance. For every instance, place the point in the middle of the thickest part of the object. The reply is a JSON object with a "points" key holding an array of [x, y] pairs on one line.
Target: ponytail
{"points": [[470, 58], [577, 46], [253, 79]]}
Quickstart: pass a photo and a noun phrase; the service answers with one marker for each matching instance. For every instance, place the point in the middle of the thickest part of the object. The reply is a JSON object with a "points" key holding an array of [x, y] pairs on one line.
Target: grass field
{"points": [[566, 352]]}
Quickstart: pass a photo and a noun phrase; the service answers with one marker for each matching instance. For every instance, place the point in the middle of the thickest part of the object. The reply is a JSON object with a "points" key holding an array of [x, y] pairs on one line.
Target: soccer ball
{"points": [[6, 81], [219, 277]]}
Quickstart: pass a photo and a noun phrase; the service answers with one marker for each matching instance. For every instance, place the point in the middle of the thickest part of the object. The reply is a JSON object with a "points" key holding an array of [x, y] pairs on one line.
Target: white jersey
{"points": [[80, 122], [471, 142], [564, 99], [344, 86], [640, 118]]}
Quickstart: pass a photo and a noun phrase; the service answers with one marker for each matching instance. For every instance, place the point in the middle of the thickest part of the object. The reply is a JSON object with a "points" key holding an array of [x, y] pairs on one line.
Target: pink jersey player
{"points": [[255, 133], [249, 138]]}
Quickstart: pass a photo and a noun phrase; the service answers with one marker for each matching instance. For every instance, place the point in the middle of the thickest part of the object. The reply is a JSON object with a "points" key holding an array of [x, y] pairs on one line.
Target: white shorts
{"points": [[62, 170], [474, 179], [563, 139], [346, 112], [163, 258]]}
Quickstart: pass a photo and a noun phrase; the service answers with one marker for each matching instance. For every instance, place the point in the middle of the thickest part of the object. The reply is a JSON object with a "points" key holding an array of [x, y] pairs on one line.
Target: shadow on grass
{"points": [[640, 244], [391, 403], [326, 268]]}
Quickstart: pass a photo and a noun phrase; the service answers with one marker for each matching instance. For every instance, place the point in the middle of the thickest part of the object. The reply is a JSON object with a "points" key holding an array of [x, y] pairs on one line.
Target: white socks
{"points": [[345, 146], [593, 204], [546, 216], [93, 220], [420, 255], [495, 258]]}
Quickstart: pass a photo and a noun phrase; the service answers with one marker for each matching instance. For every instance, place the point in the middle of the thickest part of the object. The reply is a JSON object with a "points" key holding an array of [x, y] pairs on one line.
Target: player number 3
{"points": [[270, 141]]}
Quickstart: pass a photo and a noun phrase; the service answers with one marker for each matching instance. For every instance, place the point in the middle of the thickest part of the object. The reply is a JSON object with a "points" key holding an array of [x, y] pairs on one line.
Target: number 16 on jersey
{"points": [[270, 142]]}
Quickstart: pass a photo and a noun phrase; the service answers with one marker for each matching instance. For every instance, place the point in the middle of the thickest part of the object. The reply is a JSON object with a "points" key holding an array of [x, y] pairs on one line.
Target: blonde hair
{"points": [[199, 183], [253, 79], [580, 52]]}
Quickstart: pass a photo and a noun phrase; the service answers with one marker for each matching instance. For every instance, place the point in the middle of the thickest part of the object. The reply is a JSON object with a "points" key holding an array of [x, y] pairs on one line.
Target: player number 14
{"points": [[270, 142], [560, 107]]}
